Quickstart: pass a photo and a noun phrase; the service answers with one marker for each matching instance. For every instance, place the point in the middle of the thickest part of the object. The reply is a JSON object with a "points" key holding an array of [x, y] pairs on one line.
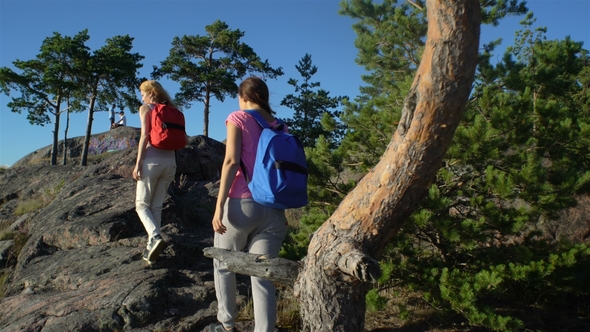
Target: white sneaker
{"points": [[218, 327], [158, 245], [145, 257]]}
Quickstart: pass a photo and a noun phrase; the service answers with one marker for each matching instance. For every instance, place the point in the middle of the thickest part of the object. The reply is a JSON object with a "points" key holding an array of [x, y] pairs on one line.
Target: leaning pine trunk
{"points": [[335, 277], [84, 158]]}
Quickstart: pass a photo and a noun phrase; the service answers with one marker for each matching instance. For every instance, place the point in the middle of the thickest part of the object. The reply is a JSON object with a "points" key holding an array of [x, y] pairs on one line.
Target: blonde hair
{"points": [[160, 95]]}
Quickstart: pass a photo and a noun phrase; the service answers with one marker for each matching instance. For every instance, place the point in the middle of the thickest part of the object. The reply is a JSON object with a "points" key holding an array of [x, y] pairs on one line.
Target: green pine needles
{"points": [[487, 243]]}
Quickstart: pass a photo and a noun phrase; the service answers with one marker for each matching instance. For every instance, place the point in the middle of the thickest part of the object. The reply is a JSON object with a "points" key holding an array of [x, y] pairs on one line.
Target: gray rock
{"points": [[18, 224], [5, 247], [81, 267]]}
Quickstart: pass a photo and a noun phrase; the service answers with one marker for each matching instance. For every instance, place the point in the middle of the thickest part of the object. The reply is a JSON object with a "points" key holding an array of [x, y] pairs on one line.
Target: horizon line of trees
{"points": [[66, 76]]}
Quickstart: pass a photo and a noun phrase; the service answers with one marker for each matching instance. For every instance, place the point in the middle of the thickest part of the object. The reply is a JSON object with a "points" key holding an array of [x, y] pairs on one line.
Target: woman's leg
{"points": [[225, 290], [143, 197], [267, 240], [234, 238], [160, 191]]}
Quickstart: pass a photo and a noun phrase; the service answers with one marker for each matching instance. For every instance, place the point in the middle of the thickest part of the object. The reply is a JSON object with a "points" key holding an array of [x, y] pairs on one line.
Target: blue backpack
{"points": [[279, 177]]}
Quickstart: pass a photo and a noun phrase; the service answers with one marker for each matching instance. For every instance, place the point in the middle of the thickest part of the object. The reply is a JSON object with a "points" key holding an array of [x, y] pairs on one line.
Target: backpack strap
{"points": [[243, 167], [262, 122]]}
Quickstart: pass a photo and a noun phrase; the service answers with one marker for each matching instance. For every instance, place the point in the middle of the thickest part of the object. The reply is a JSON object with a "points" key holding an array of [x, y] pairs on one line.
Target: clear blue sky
{"points": [[282, 31]]}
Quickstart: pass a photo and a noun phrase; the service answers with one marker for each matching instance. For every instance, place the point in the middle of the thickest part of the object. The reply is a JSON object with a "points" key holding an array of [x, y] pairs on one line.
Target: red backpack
{"points": [[167, 128]]}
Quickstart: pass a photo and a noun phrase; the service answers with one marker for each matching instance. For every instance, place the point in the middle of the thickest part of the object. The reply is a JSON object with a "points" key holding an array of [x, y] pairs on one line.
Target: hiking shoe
{"points": [[218, 327], [145, 257], [154, 252]]}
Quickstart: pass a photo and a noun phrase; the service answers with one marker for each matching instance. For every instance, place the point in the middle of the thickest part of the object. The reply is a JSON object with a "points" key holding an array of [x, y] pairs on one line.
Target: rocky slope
{"points": [[80, 268]]}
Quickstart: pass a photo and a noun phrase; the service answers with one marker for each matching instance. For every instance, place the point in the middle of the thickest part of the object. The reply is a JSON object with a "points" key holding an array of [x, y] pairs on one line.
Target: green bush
{"points": [[375, 302], [480, 243]]}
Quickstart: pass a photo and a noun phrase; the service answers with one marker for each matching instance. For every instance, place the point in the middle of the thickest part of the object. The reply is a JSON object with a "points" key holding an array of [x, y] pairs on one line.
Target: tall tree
{"points": [[340, 262], [66, 129], [45, 82], [390, 41], [109, 77], [316, 121], [209, 66], [483, 235], [313, 107]]}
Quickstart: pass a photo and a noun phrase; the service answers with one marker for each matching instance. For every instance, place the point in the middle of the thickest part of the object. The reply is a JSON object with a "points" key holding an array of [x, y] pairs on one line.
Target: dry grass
{"points": [[29, 205], [19, 238], [246, 310], [287, 309], [39, 201], [4, 275], [288, 318], [293, 217]]}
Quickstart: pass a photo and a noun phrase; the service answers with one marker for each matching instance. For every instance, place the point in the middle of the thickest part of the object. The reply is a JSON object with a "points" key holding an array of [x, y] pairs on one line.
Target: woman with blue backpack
{"points": [[241, 223]]}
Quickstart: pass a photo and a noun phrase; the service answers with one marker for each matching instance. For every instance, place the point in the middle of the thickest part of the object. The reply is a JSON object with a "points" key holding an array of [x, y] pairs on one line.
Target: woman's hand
{"points": [[135, 174], [217, 224]]}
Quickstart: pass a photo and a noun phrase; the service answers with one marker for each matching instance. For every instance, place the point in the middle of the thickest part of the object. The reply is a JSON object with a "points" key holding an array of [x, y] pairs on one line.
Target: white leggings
{"points": [[259, 230], [156, 175]]}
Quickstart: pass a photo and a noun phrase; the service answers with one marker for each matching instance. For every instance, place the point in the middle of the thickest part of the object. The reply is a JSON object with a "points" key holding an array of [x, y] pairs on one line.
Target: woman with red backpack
{"points": [[154, 170]]}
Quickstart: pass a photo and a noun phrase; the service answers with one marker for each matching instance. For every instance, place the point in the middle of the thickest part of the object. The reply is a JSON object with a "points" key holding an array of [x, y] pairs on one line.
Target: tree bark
{"points": [[276, 269], [84, 158], [55, 140], [206, 112], [65, 143], [54, 147], [335, 275]]}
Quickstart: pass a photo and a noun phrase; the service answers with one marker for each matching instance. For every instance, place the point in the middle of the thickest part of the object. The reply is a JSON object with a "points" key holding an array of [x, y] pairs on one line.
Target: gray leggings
{"points": [[256, 229]]}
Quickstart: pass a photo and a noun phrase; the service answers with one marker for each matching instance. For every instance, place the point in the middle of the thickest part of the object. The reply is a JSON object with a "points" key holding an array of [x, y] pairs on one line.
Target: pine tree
{"points": [[517, 161], [479, 239], [46, 82], [390, 39], [316, 121], [209, 66], [314, 113], [108, 77]]}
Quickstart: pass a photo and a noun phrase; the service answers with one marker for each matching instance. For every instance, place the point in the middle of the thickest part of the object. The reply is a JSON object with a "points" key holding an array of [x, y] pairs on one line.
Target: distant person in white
{"points": [[122, 120]]}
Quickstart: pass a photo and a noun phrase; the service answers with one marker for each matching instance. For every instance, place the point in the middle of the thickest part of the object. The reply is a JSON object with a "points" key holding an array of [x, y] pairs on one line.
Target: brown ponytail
{"points": [[253, 89]]}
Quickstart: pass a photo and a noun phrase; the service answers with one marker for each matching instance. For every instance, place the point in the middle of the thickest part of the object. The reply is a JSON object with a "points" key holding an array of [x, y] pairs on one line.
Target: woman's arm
{"points": [[144, 118], [231, 163]]}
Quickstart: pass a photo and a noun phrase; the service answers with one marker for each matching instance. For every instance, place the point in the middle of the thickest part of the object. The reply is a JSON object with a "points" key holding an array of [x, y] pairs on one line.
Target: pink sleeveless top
{"points": [[251, 131]]}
